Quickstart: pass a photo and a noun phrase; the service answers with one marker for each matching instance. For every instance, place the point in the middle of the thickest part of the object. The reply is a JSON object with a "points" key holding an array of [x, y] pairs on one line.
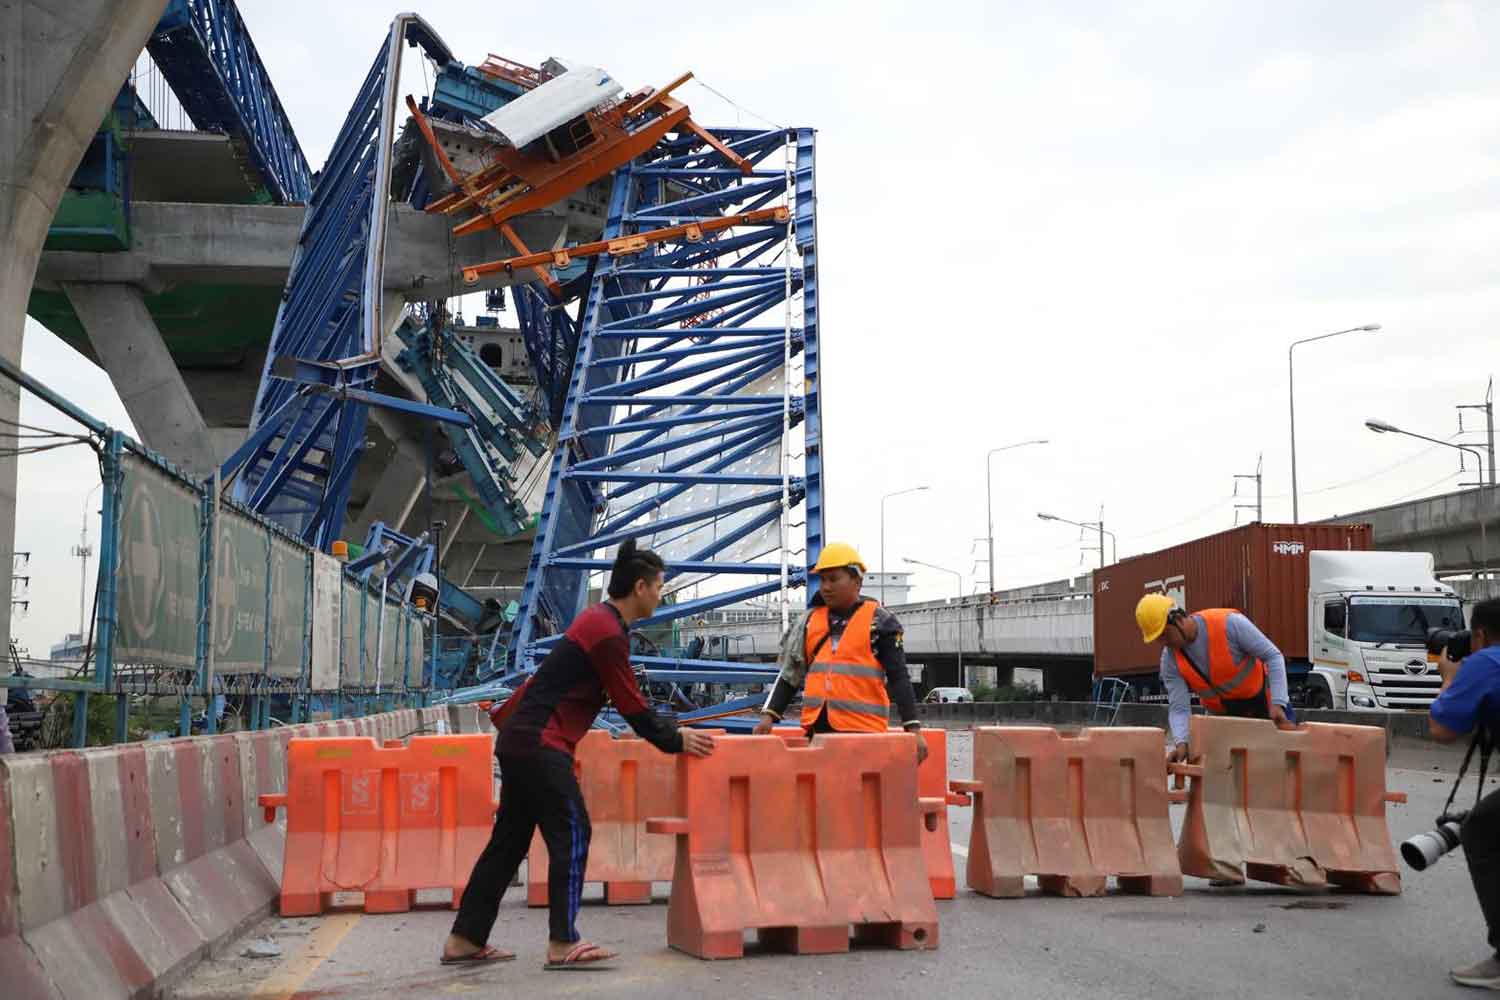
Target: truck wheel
{"points": [[1319, 697]]}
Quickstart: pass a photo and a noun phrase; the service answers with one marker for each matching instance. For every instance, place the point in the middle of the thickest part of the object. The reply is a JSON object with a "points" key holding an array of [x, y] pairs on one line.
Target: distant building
{"points": [[897, 588], [70, 650]]}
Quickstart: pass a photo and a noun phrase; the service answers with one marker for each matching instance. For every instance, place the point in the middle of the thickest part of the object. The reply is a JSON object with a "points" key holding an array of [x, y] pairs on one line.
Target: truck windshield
{"points": [[1404, 621]]}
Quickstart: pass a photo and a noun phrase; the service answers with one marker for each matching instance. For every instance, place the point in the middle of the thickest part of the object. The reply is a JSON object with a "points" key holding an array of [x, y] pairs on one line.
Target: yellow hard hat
{"points": [[1151, 614], [837, 555]]}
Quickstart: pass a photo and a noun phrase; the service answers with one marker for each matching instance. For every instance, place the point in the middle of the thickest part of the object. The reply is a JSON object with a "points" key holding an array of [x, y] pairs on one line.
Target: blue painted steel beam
{"points": [[706, 566], [670, 477], [661, 668], [205, 54], [678, 338], [681, 520], [330, 322]]}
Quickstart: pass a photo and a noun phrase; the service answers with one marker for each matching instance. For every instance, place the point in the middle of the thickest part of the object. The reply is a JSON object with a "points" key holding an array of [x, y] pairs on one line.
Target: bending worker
{"points": [[1219, 655], [846, 654], [540, 726]]}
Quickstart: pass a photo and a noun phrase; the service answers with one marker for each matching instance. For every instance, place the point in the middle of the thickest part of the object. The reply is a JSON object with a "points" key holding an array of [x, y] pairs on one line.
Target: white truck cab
{"points": [[1367, 619]]}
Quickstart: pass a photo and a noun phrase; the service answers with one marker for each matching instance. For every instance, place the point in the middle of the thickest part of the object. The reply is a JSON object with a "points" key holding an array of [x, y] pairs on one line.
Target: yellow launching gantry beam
{"points": [[690, 232]]}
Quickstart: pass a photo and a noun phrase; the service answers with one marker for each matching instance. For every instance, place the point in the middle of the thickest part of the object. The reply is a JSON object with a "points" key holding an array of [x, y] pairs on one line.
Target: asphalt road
{"points": [[1259, 941]]}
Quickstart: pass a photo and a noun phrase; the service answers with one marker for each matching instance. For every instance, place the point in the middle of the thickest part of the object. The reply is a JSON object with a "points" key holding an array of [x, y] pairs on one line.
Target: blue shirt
{"points": [[1474, 695]]}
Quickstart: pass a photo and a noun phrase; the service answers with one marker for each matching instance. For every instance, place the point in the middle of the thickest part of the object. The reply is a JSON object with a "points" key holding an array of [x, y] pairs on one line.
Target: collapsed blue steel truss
{"points": [[551, 339], [308, 424], [503, 424], [675, 426], [205, 53]]}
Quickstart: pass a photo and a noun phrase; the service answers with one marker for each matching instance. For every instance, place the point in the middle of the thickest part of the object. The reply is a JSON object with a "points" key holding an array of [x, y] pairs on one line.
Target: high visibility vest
{"points": [[848, 681], [1231, 688]]}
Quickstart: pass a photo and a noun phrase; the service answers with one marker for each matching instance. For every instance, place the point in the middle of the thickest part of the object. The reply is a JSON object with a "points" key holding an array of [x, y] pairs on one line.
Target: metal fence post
{"points": [[302, 701], [107, 592], [208, 560]]}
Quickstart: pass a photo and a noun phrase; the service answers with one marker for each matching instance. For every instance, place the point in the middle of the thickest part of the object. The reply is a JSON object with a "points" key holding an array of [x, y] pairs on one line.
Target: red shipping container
{"points": [[1260, 569]]}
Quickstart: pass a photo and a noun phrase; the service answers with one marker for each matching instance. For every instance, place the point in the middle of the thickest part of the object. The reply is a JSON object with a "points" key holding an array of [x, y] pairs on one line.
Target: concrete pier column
{"points": [[129, 346], [61, 64]]}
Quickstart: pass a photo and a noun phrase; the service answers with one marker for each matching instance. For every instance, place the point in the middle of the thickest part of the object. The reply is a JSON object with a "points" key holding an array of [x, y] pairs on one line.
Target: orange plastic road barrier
{"points": [[623, 782], [799, 843], [383, 821], [1302, 807], [1071, 810], [937, 845], [932, 785]]}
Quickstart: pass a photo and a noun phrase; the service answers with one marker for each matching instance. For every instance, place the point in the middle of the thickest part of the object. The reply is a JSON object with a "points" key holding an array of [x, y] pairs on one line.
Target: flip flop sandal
{"points": [[483, 956], [575, 961]]}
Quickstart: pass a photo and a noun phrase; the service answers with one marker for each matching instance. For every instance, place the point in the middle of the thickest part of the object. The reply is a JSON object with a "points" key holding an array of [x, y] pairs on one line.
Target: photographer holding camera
{"points": [[1469, 702]]}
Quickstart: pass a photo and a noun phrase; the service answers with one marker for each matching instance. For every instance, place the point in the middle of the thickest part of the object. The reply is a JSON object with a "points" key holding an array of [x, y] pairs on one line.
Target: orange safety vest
{"points": [[1231, 688], [848, 681]]}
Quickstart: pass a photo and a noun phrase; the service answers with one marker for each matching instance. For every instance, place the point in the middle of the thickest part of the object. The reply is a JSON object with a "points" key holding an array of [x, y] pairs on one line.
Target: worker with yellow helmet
{"points": [[846, 655], [1219, 655]]}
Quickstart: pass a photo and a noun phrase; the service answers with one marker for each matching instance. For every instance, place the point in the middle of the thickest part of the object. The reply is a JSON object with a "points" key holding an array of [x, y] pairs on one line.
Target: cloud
{"points": [[1093, 222]]}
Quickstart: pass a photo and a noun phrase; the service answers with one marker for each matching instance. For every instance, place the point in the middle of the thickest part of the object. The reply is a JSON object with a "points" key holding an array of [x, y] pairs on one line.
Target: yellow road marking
{"points": [[287, 979]]}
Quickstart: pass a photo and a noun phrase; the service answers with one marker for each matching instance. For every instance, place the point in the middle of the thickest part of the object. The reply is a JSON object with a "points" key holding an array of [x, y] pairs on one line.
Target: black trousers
{"points": [[536, 789], [1480, 836]]}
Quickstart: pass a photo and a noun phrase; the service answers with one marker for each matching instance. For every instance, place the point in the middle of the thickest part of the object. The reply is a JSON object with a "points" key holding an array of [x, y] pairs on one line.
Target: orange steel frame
{"points": [[518, 182], [691, 232]]}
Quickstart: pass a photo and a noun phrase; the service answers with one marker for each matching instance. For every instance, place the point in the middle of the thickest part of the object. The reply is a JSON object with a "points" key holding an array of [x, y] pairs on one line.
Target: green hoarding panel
{"points": [[328, 574], [240, 594], [158, 569], [391, 652], [290, 566], [372, 635], [415, 649], [349, 648]]}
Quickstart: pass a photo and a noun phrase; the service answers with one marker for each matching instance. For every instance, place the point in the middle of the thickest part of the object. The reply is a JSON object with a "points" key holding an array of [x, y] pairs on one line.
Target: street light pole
{"points": [[959, 643], [1381, 427], [914, 489], [83, 550], [1089, 526], [1291, 397], [989, 504]]}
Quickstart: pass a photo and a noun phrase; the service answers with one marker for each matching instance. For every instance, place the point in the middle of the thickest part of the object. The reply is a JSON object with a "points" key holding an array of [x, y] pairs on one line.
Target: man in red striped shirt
{"points": [[540, 726]]}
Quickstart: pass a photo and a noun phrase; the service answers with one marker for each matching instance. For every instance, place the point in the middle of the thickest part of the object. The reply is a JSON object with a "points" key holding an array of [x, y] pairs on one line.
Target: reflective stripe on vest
{"points": [[847, 669], [1226, 680], [848, 682]]}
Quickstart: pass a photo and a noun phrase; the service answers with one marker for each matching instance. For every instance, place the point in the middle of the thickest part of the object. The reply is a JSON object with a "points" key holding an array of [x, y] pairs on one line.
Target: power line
{"points": [[735, 104], [1365, 478]]}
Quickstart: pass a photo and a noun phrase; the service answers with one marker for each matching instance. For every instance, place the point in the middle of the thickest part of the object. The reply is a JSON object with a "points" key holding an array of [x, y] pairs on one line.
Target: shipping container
{"points": [[1259, 569]]}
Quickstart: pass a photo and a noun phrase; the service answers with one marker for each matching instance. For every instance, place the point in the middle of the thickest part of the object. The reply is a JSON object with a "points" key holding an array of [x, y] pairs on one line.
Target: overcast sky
{"points": [[1096, 223]]}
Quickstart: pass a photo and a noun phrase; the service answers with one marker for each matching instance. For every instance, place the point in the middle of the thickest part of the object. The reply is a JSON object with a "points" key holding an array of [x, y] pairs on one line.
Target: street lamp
{"points": [[1381, 427], [960, 631], [1291, 397], [1091, 526], [989, 507], [898, 493]]}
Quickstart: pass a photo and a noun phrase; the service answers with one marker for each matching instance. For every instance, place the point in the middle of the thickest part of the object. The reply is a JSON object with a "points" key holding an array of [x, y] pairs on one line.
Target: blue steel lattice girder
{"points": [[550, 597], [806, 221], [331, 312], [205, 54], [669, 328], [739, 447], [502, 425]]}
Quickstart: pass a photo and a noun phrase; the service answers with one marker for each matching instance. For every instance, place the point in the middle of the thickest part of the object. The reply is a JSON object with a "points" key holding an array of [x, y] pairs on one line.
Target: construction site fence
{"points": [[197, 598]]}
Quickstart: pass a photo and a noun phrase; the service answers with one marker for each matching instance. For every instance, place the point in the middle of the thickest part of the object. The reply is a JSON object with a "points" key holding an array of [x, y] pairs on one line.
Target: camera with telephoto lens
{"points": [[1457, 641], [1424, 849]]}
